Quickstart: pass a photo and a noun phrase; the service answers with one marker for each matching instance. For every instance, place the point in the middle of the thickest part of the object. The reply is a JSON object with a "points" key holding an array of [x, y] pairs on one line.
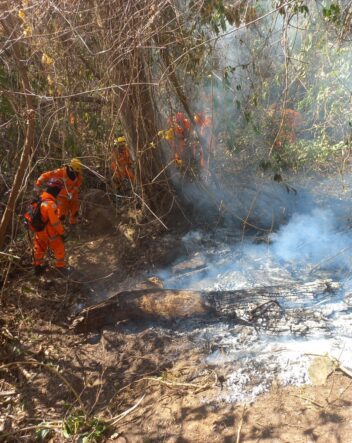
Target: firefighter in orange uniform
{"points": [[205, 144], [122, 164], [52, 235], [68, 199], [181, 133]]}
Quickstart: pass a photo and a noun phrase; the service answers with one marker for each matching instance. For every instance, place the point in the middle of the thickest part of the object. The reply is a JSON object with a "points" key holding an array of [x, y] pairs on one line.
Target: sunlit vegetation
{"points": [[272, 79]]}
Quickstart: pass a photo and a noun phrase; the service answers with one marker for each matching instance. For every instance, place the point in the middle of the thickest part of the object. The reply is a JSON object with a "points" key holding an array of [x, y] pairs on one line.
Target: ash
{"points": [[311, 247]]}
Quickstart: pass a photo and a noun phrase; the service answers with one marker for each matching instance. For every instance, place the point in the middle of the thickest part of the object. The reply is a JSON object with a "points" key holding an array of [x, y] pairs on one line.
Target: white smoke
{"points": [[313, 238]]}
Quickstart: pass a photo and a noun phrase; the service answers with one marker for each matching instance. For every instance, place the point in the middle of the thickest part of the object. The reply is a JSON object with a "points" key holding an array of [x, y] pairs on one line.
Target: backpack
{"points": [[33, 218]]}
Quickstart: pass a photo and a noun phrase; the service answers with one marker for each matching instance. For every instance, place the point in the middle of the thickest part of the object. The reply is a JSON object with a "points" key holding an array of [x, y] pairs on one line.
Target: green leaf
{"points": [[333, 13], [66, 431], [41, 434], [326, 12]]}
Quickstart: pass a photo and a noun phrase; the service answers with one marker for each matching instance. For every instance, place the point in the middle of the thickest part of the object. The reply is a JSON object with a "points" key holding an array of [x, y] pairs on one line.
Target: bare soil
{"points": [[140, 382]]}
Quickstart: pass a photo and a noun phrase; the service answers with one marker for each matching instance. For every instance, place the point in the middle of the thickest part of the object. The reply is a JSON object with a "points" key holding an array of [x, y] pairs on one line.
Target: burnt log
{"points": [[172, 304]]}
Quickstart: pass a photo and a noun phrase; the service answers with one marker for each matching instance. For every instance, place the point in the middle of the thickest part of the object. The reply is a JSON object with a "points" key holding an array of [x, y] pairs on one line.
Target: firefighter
{"points": [[52, 235], [204, 147], [68, 199], [181, 134], [122, 164]]}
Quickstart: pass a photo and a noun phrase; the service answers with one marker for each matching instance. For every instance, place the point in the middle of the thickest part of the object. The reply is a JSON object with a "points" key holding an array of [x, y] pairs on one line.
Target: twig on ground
{"points": [[341, 394], [172, 384], [119, 417], [345, 370], [315, 403], [176, 384], [342, 251], [8, 393], [238, 437]]}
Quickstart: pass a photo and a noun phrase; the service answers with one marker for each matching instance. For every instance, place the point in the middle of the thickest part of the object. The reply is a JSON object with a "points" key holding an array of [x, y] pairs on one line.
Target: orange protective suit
{"points": [[68, 199], [181, 129], [204, 126], [50, 237], [122, 165]]}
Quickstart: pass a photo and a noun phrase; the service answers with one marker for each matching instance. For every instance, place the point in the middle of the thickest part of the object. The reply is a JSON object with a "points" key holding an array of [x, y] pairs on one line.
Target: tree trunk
{"points": [[170, 304], [138, 115], [8, 27]]}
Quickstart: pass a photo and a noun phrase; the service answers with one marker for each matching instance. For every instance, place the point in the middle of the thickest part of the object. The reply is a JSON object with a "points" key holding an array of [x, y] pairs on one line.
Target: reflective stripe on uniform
{"points": [[46, 203], [56, 224]]}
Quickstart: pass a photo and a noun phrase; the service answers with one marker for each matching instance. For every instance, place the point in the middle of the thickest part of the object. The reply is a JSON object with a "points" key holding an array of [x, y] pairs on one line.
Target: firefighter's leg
{"points": [[130, 174], [58, 248], [62, 207], [40, 246], [74, 210]]}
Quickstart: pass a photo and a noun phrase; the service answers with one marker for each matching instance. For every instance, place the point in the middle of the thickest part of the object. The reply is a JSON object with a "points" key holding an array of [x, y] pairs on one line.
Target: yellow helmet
{"points": [[121, 140], [76, 165]]}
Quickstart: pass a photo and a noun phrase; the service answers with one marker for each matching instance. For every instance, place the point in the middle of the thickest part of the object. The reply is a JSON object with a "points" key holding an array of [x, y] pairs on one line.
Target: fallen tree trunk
{"points": [[169, 304]]}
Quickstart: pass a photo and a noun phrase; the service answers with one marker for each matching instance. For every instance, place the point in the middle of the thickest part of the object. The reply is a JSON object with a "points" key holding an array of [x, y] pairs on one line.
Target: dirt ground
{"points": [[134, 382]]}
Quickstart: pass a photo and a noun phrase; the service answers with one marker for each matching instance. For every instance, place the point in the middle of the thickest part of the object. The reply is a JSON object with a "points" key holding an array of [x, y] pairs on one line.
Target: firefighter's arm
{"points": [[74, 191], [54, 219], [44, 178], [79, 181], [57, 173]]}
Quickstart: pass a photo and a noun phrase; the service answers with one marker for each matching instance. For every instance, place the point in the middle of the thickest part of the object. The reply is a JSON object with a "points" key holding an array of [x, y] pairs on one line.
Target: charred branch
{"points": [[171, 304]]}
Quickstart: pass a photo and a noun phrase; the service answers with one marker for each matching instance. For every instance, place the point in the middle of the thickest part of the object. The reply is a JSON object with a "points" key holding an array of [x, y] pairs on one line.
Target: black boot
{"points": [[39, 270]]}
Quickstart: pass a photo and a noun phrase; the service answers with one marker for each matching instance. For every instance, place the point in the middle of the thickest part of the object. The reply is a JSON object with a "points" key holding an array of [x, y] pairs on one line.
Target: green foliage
{"points": [[312, 74], [301, 9], [213, 15], [6, 111], [332, 13], [88, 430], [43, 432], [321, 95], [308, 154], [76, 425], [324, 103]]}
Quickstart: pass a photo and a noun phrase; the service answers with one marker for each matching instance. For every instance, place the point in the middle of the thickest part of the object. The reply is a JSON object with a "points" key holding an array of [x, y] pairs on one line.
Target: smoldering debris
{"points": [[280, 340]]}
